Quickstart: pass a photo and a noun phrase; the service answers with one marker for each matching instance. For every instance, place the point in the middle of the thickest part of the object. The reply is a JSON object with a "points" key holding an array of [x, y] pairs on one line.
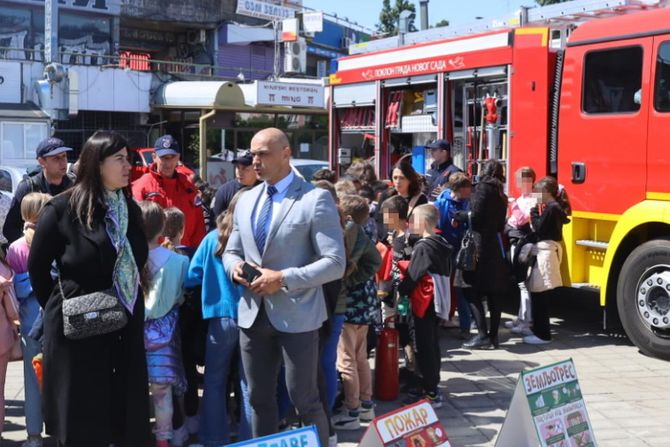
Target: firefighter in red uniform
{"points": [[166, 186]]}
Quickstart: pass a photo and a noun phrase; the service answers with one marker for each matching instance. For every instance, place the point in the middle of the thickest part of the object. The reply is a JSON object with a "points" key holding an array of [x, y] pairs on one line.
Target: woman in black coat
{"points": [[95, 389], [488, 207]]}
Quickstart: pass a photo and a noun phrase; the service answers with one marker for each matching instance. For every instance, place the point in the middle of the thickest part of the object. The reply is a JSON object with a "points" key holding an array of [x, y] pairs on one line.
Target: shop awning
{"points": [[304, 97], [210, 95], [27, 111]]}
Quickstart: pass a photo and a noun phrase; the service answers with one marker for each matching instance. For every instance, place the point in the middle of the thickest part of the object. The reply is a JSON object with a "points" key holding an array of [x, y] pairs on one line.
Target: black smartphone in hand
{"points": [[249, 272]]}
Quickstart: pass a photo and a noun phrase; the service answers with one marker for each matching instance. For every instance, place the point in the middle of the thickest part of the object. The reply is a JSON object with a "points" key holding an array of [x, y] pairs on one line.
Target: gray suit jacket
{"points": [[305, 242]]}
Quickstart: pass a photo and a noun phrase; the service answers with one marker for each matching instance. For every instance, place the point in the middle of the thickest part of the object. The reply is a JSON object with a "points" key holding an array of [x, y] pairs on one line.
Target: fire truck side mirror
{"points": [[578, 172]]}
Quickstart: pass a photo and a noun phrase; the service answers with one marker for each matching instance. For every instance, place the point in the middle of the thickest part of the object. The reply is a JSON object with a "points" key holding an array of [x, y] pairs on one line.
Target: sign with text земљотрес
{"points": [[548, 409], [264, 10], [415, 425], [289, 94], [303, 437]]}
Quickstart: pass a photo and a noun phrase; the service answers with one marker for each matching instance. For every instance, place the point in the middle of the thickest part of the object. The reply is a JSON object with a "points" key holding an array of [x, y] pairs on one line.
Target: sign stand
{"points": [[415, 425], [547, 409], [302, 437]]}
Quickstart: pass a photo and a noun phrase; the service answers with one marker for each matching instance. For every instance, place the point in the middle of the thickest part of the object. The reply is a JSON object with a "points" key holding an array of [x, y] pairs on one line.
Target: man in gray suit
{"points": [[291, 233]]}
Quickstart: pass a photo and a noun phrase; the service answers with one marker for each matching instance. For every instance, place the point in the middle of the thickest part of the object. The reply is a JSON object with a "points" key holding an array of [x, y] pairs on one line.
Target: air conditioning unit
{"points": [[295, 56], [196, 36]]}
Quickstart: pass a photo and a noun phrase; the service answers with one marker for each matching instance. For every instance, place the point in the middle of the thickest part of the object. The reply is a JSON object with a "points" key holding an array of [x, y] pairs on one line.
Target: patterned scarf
{"points": [[126, 274]]}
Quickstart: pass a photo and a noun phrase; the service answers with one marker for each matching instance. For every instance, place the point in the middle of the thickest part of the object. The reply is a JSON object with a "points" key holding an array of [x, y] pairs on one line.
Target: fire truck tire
{"points": [[643, 297]]}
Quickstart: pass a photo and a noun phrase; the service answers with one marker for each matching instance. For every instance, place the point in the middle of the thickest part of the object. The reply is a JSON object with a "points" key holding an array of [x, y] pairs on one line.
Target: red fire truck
{"points": [[580, 90]]}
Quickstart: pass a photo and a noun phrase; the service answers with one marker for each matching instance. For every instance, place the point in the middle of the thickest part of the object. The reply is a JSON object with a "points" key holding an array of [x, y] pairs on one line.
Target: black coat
{"points": [[95, 390], [489, 209]]}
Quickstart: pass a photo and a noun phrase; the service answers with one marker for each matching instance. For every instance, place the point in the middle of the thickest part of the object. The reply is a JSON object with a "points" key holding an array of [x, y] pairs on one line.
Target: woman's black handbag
{"points": [[96, 313], [467, 256]]}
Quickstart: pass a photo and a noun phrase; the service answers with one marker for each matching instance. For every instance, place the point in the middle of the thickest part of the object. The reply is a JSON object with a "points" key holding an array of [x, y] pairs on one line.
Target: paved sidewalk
{"points": [[627, 394]]}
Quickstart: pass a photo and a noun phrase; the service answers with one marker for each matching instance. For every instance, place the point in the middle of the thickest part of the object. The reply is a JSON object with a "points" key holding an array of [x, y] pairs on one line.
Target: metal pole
{"points": [[51, 31], [203, 143]]}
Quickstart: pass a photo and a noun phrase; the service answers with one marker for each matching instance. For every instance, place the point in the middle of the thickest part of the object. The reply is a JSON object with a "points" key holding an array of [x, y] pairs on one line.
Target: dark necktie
{"points": [[264, 219]]}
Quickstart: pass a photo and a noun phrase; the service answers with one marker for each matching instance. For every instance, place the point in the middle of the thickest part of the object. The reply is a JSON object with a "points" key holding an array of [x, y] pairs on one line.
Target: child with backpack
{"points": [[517, 230], [426, 282], [361, 308], [163, 281], [29, 311]]}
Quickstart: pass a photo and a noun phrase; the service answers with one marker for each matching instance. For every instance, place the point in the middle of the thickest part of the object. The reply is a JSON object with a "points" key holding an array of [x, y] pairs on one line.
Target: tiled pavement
{"points": [[627, 394]]}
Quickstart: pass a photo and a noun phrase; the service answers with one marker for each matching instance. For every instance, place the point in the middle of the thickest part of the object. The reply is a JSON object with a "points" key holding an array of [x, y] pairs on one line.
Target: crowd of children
{"points": [[403, 269]]}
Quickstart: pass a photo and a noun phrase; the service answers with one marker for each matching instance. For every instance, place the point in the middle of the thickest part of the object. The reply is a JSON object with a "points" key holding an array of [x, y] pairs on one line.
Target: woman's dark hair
{"points": [[224, 223], [493, 169], [405, 166], [396, 204], [89, 191]]}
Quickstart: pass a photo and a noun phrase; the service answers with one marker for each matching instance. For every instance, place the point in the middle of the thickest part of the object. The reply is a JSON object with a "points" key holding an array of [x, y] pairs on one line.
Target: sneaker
{"points": [[347, 420], [449, 324], [521, 329], [436, 399], [332, 440], [535, 340], [193, 424], [510, 324], [179, 437], [367, 413], [33, 441]]}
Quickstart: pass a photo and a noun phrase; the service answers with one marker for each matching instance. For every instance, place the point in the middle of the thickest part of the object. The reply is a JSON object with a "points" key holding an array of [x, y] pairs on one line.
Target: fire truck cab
{"points": [[588, 104]]}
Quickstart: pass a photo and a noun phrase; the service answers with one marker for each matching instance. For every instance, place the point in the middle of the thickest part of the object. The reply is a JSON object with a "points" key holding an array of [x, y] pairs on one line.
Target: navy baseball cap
{"points": [[50, 147], [440, 144], [166, 145], [245, 159]]}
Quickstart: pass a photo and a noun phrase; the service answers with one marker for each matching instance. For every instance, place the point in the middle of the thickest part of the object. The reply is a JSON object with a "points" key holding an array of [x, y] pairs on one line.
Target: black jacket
{"points": [[430, 255], [548, 224], [13, 228], [488, 206], [438, 175], [95, 390]]}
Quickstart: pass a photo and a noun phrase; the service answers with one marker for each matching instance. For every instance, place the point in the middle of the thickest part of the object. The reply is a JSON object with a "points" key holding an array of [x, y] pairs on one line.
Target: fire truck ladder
{"points": [[568, 14]]}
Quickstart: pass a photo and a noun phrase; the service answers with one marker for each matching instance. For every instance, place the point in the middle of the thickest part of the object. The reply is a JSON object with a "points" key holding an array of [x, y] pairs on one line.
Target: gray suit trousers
{"points": [[263, 348]]}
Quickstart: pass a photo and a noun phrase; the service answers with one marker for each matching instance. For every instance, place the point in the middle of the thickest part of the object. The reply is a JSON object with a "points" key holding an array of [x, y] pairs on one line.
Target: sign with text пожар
{"points": [[548, 409], [415, 425], [303, 437]]}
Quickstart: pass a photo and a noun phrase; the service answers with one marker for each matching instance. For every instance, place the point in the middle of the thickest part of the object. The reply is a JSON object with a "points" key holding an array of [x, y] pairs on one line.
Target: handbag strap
{"points": [[60, 284]]}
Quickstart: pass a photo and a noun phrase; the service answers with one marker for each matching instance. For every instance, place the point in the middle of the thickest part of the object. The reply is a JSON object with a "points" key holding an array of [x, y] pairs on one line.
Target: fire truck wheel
{"points": [[643, 298]]}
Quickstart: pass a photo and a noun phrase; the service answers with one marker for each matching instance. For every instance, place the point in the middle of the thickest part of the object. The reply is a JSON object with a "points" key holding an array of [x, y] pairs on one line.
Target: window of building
{"points": [[662, 82], [19, 140], [612, 81]]}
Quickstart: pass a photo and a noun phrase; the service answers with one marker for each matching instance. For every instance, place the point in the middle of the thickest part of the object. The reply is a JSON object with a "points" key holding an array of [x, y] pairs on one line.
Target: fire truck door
{"points": [[658, 153], [603, 122]]}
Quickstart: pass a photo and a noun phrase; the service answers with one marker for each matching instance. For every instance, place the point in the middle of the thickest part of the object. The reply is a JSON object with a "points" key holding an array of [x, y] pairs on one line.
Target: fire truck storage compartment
{"points": [[410, 115], [476, 111], [354, 107]]}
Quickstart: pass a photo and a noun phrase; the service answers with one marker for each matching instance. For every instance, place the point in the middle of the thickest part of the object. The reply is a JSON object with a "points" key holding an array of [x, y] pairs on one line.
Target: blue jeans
{"points": [[28, 311], [222, 349], [464, 313], [329, 358]]}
